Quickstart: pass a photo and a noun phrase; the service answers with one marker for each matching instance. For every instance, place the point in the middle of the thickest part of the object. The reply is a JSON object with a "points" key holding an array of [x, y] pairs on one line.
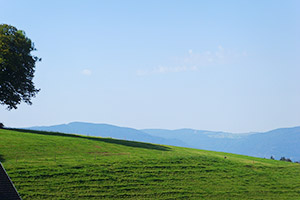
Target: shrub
{"points": [[285, 159]]}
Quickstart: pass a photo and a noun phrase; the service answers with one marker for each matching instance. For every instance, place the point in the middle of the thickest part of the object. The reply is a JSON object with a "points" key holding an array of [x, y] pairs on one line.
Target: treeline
{"points": [[284, 159]]}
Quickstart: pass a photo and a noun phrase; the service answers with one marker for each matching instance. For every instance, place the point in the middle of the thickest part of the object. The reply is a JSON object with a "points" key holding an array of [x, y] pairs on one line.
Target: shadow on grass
{"points": [[108, 140], [1, 158]]}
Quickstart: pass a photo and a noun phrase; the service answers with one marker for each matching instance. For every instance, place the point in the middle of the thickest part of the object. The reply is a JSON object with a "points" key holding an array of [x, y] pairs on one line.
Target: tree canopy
{"points": [[17, 67]]}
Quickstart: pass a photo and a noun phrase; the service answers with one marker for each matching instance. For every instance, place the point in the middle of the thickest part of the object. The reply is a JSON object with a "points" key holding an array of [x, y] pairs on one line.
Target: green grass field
{"points": [[60, 166]]}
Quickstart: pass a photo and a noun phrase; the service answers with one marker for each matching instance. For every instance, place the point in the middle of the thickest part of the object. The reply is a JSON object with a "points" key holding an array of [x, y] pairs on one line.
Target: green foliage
{"points": [[285, 159], [17, 67], [46, 165], [272, 158]]}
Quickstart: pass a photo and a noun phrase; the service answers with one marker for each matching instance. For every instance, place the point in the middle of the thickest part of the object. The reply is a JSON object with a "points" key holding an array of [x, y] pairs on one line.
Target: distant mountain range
{"points": [[106, 130], [277, 143]]}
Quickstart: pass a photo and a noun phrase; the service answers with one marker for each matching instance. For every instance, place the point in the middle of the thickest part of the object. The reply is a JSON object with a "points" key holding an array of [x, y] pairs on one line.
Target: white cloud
{"points": [[193, 61], [86, 72], [165, 69]]}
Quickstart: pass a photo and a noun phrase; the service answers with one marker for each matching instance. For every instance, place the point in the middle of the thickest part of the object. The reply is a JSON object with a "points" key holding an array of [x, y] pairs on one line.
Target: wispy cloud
{"points": [[86, 72], [166, 69], [193, 61]]}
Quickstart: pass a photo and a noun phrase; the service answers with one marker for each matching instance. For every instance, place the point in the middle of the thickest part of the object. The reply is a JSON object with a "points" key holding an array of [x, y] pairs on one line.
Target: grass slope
{"points": [[59, 166]]}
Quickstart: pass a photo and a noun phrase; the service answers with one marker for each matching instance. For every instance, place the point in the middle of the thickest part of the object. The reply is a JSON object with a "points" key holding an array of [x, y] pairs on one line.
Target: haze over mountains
{"points": [[279, 142]]}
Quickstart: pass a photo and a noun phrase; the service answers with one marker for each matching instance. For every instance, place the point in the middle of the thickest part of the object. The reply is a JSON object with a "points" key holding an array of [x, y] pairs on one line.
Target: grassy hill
{"points": [[61, 166]]}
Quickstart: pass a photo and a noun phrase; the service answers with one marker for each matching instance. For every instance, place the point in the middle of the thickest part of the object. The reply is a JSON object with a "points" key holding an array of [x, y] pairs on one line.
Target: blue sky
{"points": [[214, 65]]}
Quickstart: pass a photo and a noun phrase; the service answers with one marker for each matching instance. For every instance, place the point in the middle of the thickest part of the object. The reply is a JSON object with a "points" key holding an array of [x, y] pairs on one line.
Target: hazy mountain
{"points": [[209, 140], [280, 142], [106, 130]]}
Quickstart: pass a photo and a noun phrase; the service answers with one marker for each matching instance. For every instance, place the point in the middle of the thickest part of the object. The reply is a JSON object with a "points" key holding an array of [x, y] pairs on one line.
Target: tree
{"points": [[17, 67], [282, 158], [285, 159]]}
